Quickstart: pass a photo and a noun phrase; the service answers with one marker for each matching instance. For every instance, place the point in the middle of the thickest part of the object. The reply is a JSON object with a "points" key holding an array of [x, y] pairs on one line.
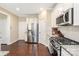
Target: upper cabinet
{"points": [[63, 8], [76, 14]]}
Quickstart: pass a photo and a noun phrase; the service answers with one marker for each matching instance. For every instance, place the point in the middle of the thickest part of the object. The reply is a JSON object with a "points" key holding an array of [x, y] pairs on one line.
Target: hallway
{"points": [[20, 48]]}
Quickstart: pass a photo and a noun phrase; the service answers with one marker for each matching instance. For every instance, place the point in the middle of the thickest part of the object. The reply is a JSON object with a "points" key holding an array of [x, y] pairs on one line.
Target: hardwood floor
{"points": [[21, 48]]}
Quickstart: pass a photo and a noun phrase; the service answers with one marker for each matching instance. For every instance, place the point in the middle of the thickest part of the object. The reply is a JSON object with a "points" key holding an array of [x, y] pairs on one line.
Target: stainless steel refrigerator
{"points": [[32, 33]]}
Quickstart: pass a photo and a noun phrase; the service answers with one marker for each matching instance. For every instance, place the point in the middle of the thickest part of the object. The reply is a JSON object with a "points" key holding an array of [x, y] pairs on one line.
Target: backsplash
{"points": [[71, 32]]}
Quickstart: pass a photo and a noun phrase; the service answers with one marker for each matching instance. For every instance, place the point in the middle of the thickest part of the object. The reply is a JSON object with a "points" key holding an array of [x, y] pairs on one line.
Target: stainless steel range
{"points": [[55, 44]]}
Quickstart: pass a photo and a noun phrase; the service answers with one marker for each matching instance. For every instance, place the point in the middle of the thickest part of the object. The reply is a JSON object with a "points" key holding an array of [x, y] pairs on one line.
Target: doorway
{"points": [[4, 29], [29, 29]]}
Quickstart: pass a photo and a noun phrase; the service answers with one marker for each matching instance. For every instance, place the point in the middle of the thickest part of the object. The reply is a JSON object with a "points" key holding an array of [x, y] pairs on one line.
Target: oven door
{"points": [[55, 50], [51, 50]]}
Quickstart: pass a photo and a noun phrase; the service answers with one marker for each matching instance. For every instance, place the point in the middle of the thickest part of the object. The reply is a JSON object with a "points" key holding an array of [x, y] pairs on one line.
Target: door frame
{"points": [[8, 26]]}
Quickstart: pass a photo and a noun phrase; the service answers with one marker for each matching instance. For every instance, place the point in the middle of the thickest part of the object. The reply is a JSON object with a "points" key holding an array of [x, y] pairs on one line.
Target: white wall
{"points": [[44, 27], [13, 29]]}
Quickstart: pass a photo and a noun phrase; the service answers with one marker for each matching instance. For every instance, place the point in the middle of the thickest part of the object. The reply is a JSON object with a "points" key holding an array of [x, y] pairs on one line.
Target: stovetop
{"points": [[57, 43], [63, 41]]}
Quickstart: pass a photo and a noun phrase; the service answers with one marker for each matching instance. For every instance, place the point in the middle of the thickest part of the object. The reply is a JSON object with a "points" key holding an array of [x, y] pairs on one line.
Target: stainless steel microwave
{"points": [[66, 18]]}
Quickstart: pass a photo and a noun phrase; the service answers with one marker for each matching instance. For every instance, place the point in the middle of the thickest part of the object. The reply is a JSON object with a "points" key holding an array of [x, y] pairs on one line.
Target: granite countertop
{"points": [[72, 49], [3, 53]]}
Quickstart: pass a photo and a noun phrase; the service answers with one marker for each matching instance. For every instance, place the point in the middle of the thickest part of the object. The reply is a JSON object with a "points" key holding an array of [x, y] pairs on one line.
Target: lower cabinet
{"points": [[64, 52]]}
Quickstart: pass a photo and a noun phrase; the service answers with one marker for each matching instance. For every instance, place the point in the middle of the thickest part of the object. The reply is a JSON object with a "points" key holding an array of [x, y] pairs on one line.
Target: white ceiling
{"points": [[26, 8]]}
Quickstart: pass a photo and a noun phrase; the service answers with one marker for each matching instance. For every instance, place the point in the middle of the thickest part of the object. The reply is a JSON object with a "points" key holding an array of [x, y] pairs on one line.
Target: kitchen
{"points": [[62, 18], [68, 45]]}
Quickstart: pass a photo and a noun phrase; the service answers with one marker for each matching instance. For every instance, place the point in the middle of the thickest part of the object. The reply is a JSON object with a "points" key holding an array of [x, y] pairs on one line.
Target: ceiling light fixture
{"points": [[41, 9], [17, 9]]}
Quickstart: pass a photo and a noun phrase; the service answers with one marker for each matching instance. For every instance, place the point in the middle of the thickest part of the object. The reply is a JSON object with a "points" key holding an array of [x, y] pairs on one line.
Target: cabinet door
{"points": [[76, 14], [64, 52]]}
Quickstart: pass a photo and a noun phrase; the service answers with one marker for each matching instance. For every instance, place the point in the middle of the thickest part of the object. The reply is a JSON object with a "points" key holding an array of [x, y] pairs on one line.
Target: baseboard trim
{"points": [[12, 42]]}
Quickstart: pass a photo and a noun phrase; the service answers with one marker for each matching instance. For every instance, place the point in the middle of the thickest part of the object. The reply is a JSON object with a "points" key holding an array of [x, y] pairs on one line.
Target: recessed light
{"points": [[17, 9], [41, 9], [60, 9]]}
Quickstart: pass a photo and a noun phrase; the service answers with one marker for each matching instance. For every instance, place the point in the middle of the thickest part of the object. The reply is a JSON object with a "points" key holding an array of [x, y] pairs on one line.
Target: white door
{"points": [[3, 29], [22, 30]]}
